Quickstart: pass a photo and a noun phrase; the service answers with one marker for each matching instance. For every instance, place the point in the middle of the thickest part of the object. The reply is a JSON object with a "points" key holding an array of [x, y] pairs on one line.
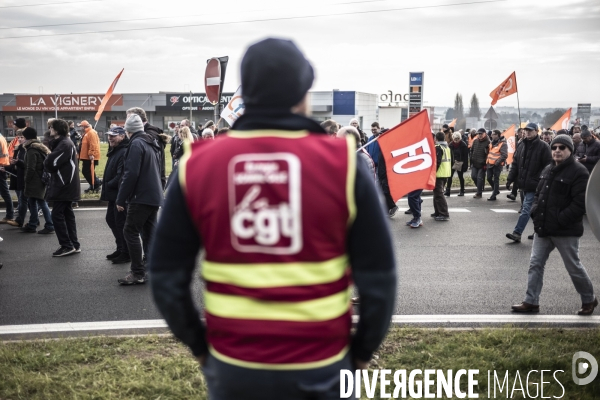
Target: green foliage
{"points": [[474, 111], [550, 118]]}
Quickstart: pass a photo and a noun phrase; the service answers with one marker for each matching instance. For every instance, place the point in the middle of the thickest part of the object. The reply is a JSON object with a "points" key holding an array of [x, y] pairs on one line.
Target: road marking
{"points": [[458, 210], [90, 209], [503, 210], [396, 319]]}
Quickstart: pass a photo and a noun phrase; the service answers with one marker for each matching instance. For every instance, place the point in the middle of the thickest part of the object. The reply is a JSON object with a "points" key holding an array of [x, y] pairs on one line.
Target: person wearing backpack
{"points": [[35, 185]]}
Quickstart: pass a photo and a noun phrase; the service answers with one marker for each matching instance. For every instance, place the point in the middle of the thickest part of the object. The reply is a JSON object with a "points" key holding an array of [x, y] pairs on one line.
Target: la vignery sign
{"points": [[62, 102]]}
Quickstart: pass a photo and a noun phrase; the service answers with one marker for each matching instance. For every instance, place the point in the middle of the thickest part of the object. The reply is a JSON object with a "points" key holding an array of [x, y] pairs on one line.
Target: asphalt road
{"points": [[464, 266]]}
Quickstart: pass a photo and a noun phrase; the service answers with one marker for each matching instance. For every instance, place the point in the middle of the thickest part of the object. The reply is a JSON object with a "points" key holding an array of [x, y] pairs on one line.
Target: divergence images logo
{"points": [[582, 367], [174, 99], [264, 203]]}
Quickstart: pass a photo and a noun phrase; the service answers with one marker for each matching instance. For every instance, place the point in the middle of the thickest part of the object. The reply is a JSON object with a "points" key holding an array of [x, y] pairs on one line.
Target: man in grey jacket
{"points": [[141, 189]]}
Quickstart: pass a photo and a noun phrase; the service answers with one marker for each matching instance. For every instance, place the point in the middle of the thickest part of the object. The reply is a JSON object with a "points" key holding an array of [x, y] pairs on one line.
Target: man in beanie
{"points": [[89, 154], [530, 158], [279, 238], [63, 188], [588, 150], [141, 192], [5, 162], [479, 153], [557, 213], [113, 172]]}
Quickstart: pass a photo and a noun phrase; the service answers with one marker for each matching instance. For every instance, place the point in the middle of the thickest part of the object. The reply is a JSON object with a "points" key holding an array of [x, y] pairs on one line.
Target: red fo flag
{"points": [[106, 97], [409, 154], [506, 88]]}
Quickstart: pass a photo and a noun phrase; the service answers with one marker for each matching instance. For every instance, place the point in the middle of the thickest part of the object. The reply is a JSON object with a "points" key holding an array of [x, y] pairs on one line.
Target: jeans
{"points": [[34, 206], [5, 194], [493, 178], [478, 176], [439, 201], [140, 220], [414, 202], [64, 224], [461, 178], [524, 217], [86, 170], [568, 247], [116, 223], [22, 207]]}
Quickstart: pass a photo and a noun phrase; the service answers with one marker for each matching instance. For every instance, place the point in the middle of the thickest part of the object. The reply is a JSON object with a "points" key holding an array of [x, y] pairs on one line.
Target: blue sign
{"points": [[344, 103], [416, 78]]}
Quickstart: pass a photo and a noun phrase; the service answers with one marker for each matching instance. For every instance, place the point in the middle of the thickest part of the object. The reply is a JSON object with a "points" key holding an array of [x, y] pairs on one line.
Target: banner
{"points": [[452, 124], [511, 143], [107, 96], [235, 108], [506, 88], [409, 154], [563, 122]]}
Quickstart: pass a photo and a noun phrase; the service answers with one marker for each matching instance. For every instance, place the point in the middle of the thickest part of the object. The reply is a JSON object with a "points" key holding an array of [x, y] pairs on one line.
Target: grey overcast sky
{"points": [[369, 46]]}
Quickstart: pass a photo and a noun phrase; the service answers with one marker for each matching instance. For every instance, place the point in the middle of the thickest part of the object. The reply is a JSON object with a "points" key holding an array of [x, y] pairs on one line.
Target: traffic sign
{"points": [[212, 80]]}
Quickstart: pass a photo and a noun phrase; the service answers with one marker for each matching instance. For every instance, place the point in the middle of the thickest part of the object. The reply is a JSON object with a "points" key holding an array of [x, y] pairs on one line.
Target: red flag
{"points": [[409, 154], [563, 122], [11, 147], [506, 88], [511, 143], [109, 93]]}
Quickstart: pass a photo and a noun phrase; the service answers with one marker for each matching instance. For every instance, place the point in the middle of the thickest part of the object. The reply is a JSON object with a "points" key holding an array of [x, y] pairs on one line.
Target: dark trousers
{"points": [[493, 178], [414, 202], [385, 188], [461, 178], [478, 176], [140, 221], [22, 206], [439, 200], [116, 223], [86, 170], [63, 218], [5, 193]]}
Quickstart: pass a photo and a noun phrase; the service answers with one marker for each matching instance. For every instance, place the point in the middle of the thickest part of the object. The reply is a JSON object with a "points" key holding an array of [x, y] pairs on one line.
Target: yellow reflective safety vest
{"points": [[445, 169]]}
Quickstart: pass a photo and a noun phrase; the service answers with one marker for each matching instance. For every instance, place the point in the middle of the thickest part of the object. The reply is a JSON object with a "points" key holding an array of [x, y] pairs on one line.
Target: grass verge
{"points": [[152, 367]]}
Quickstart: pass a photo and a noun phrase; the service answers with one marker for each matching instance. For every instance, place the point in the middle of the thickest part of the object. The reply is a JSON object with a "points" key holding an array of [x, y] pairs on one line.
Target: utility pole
{"points": [[190, 108], [55, 106]]}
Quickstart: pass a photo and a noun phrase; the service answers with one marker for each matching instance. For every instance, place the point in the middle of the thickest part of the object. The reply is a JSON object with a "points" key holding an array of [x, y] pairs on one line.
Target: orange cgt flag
{"points": [[452, 124], [106, 97], [563, 122], [506, 88], [409, 154], [511, 143]]}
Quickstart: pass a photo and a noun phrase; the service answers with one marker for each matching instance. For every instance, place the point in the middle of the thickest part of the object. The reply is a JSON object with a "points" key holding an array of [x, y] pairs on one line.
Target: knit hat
{"points": [[275, 75], [29, 133], [117, 130], [20, 123], [134, 124], [563, 139]]}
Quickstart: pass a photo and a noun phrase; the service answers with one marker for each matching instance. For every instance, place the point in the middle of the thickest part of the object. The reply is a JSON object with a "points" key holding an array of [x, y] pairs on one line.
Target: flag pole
{"points": [[519, 108]]}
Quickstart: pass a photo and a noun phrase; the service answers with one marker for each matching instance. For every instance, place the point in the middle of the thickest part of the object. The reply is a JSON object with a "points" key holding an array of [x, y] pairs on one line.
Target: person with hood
{"points": [[89, 154], [35, 188], [113, 172], [459, 160], [63, 188], [530, 158], [557, 213], [479, 152], [17, 179], [277, 302], [141, 191], [161, 138], [497, 155]]}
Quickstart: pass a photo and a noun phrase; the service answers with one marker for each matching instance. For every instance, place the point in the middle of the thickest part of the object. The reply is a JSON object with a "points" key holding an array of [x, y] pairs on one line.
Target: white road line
{"points": [[90, 209], [458, 210], [503, 210], [396, 319]]}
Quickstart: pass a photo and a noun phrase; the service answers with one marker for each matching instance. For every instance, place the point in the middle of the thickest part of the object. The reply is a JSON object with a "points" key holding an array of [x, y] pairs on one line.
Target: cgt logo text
{"points": [[462, 384]]}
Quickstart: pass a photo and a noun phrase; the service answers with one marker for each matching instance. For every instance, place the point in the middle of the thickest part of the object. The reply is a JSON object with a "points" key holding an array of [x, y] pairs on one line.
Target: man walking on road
{"points": [[531, 157], [277, 298], [496, 158], [142, 193], [89, 154], [444, 170], [557, 213], [63, 188], [479, 152], [4, 192]]}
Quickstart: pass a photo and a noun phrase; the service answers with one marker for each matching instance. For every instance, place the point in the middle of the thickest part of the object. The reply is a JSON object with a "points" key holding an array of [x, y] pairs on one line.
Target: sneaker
{"points": [[131, 279], [514, 236], [27, 229], [113, 255], [75, 205], [407, 212], [409, 223], [434, 215], [416, 223], [122, 259], [477, 196], [492, 198], [461, 193], [530, 237], [78, 249], [40, 213], [511, 197], [63, 251], [45, 231], [392, 211], [14, 223], [447, 194], [442, 218]]}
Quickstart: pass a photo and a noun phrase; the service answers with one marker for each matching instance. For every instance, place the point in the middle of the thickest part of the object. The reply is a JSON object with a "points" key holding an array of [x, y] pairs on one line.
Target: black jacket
{"points": [[161, 139], [479, 152], [34, 168], [17, 182], [63, 166], [459, 153], [141, 183], [531, 157], [559, 202], [113, 171], [75, 137], [591, 152]]}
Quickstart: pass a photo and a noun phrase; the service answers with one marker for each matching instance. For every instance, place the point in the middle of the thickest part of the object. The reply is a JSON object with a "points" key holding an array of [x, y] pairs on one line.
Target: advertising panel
{"points": [[195, 101], [415, 90], [64, 102]]}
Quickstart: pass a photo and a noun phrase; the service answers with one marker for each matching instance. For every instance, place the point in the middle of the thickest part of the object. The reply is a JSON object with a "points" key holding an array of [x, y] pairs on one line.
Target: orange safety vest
{"points": [[4, 156], [494, 153], [471, 140]]}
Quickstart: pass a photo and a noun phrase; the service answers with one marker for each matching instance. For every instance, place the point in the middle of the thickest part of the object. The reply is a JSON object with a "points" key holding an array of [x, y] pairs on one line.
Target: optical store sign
{"points": [[62, 102], [197, 101], [465, 384]]}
